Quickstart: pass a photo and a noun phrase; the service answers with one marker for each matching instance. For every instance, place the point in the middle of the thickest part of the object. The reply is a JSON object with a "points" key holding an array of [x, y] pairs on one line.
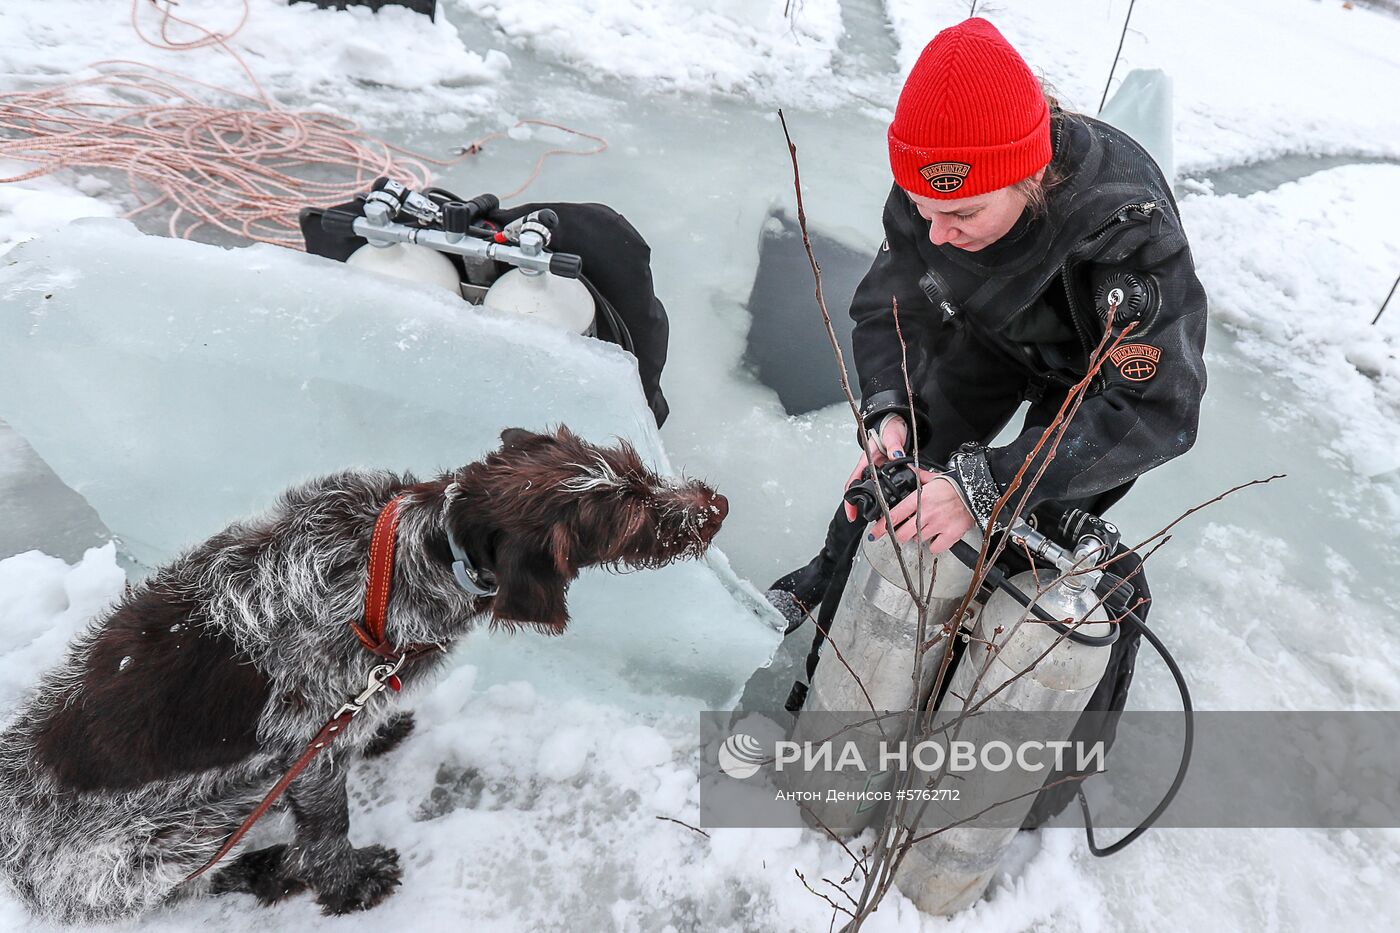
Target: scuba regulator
{"points": [[393, 213], [435, 236], [1075, 546]]}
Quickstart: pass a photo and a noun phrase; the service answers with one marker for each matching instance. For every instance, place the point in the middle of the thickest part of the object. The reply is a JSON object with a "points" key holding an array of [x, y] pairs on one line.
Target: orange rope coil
{"points": [[246, 170]]}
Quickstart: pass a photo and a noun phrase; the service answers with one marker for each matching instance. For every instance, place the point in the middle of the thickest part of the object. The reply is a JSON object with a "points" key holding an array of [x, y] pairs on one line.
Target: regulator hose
{"points": [[1188, 740], [998, 578], [622, 335], [968, 555]]}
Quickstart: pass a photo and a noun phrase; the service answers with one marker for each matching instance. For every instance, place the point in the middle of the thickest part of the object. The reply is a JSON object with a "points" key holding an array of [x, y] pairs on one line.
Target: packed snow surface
{"points": [[528, 799], [769, 50]]}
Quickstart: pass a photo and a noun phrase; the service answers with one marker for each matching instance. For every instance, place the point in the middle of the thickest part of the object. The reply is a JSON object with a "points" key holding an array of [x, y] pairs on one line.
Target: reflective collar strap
{"points": [[475, 582]]}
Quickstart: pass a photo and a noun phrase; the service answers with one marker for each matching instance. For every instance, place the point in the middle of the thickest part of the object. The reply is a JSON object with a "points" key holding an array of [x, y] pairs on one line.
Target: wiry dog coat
{"points": [[174, 713]]}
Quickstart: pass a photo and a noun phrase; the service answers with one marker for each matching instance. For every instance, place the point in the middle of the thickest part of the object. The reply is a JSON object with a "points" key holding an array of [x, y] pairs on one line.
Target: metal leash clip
{"points": [[380, 676]]}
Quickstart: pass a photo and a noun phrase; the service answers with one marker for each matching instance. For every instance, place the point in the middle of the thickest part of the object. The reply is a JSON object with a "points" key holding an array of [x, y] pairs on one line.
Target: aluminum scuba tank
{"points": [[543, 296], [875, 629], [949, 871], [408, 261]]}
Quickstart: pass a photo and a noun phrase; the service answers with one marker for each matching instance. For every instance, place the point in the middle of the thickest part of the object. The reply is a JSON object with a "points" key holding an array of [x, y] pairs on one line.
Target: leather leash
{"points": [[371, 635]]}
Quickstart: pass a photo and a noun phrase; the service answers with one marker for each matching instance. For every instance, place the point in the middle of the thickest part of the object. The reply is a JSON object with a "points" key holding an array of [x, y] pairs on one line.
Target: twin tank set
{"points": [[1037, 665]]}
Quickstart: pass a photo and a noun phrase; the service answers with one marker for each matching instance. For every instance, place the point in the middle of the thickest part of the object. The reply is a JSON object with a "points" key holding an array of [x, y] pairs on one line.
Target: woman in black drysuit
{"points": [[1004, 268]]}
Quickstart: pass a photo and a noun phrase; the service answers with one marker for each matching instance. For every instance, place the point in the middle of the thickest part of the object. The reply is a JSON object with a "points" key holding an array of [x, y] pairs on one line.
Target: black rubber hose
{"points": [[622, 336], [997, 577], [968, 555], [835, 587], [1187, 742]]}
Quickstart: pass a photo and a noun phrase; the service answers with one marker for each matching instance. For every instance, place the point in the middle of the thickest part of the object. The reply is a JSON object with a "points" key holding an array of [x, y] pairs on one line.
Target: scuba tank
{"points": [[552, 294], [410, 262], [875, 627], [417, 236], [541, 295], [947, 872]]}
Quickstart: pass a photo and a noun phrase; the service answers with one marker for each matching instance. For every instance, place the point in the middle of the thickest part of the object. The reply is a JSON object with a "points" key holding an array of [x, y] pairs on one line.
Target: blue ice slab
{"points": [[179, 386], [1142, 108]]}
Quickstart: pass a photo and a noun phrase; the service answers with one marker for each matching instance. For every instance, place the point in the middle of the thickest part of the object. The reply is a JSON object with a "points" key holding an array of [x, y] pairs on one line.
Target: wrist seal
{"points": [[969, 470], [879, 405]]}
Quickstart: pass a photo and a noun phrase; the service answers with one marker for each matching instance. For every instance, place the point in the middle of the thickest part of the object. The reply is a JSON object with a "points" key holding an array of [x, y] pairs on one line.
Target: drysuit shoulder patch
{"points": [[1136, 362]]}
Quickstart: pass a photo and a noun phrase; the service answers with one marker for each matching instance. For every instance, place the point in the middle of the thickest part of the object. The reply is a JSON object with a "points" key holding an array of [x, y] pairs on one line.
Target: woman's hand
{"points": [[935, 514], [894, 435]]}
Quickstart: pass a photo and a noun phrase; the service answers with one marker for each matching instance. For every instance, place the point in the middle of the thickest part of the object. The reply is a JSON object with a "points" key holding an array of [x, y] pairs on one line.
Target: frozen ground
{"points": [[520, 809]]}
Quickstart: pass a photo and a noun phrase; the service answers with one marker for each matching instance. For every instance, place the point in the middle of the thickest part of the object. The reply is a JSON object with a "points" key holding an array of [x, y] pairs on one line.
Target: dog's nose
{"points": [[721, 505]]}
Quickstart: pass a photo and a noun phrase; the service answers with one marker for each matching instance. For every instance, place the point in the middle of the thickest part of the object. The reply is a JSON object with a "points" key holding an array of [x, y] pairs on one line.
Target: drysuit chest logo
{"points": [[945, 176], [1136, 361]]}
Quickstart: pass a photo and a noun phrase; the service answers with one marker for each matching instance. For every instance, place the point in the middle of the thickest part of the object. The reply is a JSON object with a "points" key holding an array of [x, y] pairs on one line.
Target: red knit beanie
{"points": [[971, 118]]}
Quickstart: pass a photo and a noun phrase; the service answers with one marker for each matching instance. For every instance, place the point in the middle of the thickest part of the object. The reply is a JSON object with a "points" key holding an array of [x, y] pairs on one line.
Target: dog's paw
{"points": [[395, 729], [261, 873], [374, 874]]}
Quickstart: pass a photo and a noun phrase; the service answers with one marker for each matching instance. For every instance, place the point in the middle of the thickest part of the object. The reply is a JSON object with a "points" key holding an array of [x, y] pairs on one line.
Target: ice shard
{"points": [[1142, 108], [179, 386]]}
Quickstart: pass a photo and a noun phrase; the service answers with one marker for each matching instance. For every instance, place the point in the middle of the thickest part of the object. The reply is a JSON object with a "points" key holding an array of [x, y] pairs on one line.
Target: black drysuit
{"points": [[1020, 319]]}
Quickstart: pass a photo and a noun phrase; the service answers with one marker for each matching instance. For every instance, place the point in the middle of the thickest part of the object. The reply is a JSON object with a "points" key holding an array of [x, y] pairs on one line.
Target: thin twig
{"points": [[1121, 37], [838, 887], [840, 356], [834, 905], [1387, 300], [914, 840], [817, 273], [1196, 508], [672, 819], [857, 862]]}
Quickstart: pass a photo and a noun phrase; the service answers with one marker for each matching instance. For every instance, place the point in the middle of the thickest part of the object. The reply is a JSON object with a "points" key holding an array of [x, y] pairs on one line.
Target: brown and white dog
{"points": [[176, 711]]}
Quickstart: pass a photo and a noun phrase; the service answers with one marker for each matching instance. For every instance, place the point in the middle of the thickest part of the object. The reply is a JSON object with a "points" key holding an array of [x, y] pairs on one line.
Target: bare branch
{"points": [[672, 819], [834, 905]]}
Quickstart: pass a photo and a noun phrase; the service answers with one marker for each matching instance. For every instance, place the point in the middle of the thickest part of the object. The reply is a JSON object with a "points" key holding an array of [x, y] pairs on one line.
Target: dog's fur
{"points": [[176, 711]]}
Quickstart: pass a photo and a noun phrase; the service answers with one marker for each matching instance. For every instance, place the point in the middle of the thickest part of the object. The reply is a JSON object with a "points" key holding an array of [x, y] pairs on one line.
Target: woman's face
{"points": [[971, 223]]}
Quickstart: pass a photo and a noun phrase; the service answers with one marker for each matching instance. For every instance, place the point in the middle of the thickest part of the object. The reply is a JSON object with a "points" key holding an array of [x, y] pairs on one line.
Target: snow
{"points": [[528, 797], [1299, 273], [763, 50], [44, 204], [299, 53]]}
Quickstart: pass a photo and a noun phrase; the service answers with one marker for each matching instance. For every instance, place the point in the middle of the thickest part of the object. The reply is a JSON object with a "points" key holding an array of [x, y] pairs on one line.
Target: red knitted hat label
{"points": [[944, 177]]}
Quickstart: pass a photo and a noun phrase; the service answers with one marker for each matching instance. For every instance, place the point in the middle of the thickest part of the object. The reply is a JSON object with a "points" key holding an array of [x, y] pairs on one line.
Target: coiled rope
{"points": [[245, 170]]}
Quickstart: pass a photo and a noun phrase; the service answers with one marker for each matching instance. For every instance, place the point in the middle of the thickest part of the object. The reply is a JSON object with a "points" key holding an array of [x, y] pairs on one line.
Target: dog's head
{"points": [[553, 504]]}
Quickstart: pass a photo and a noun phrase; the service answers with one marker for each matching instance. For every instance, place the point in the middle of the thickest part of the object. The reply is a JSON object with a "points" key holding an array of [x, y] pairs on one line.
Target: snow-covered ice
{"points": [[520, 805], [1300, 272], [300, 55], [775, 51]]}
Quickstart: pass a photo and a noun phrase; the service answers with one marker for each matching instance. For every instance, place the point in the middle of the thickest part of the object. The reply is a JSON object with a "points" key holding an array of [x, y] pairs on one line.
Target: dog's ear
{"points": [[531, 590], [516, 437]]}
